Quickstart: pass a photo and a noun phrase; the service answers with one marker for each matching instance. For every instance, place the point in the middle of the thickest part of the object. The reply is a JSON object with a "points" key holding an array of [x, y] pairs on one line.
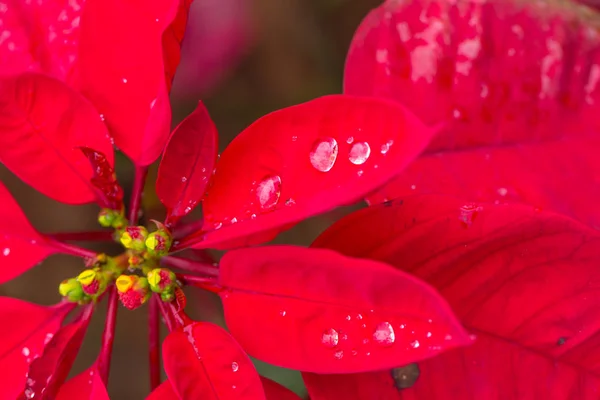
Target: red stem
{"points": [[108, 336], [136, 194], [199, 281], [71, 249], [153, 341], [81, 236], [165, 312], [191, 265]]}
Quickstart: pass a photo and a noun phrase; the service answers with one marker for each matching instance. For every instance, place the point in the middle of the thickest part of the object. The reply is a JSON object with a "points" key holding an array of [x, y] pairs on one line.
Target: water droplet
{"points": [[415, 344], [233, 387], [350, 140], [359, 153], [502, 191], [48, 338], [428, 334], [268, 192], [448, 337], [290, 202], [402, 326], [183, 179], [124, 80], [282, 313], [385, 148], [468, 213], [338, 355], [348, 317], [324, 154], [156, 20], [234, 366], [384, 334], [330, 338], [153, 103], [102, 118], [29, 393], [360, 173], [294, 138], [359, 316], [6, 251], [234, 220], [473, 337], [25, 351], [413, 187], [354, 352]]}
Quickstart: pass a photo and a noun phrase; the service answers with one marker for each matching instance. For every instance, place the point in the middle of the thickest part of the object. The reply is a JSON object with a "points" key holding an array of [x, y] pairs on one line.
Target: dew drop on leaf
{"points": [[338, 355], [183, 179], [268, 191], [6, 251], [29, 393], [25, 351], [323, 154], [414, 344], [384, 334], [359, 153], [235, 366], [330, 338]]}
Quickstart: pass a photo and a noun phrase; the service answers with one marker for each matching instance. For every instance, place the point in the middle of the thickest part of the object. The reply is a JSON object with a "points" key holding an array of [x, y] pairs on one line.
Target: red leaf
{"points": [[48, 372], [172, 39], [85, 386], [515, 81], [42, 123], [367, 385], [21, 246], [307, 159], [164, 391], [121, 70], [318, 311], [187, 164], [524, 281], [31, 328], [204, 362], [39, 36], [108, 190], [275, 391]]}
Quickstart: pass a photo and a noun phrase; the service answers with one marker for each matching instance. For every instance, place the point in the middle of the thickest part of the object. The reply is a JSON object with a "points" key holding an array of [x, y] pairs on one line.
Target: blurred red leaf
{"points": [[85, 386], [205, 362], [31, 328], [172, 39], [377, 385], [275, 391], [517, 84], [39, 36], [187, 164], [48, 372], [43, 122], [316, 310], [21, 246], [164, 391], [120, 68], [524, 281], [104, 179], [304, 160]]}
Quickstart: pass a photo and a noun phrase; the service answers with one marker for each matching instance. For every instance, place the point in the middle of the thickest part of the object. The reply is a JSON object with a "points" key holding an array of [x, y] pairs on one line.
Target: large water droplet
{"points": [[324, 154], [330, 338], [6, 251], [268, 191], [235, 366], [359, 153], [384, 334]]}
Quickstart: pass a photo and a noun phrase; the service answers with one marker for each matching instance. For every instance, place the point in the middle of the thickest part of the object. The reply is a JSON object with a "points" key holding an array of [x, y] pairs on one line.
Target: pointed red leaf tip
{"points": [[307, 159], [21, 246], [318, 311], [85, 386], [164, 391], [43, 122], [172, 39], [120, 68], [204, 362], [48, 372], [275, 391], [31, 328], [524, 281], [39, 36], [517, 83], [104, 179], [187, 164]]}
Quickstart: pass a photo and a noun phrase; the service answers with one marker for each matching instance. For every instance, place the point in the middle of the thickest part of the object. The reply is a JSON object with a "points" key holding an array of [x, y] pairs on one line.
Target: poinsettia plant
{"points": [[468, 276]]}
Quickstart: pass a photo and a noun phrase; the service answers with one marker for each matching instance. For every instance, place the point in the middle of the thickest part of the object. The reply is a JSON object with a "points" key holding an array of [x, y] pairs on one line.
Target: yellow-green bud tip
{"points": [[124, 283], [154, 277], [126, 239], [87, 277]]}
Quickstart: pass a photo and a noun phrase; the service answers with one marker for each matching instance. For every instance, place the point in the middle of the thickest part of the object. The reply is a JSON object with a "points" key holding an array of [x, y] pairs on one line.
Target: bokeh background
{"points": [[243, 58]]}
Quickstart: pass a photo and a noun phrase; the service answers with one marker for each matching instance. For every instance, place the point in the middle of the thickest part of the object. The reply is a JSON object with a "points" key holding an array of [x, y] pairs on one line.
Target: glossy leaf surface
{"points": [[205, 362], [525, 282], [307, 159], [24, 342], [85, 386], [515, 81], [48, 372], [43, 122], [104, 179], [164, 391], [21, 246], [318, 311], [187, 164], [377, 385], [275, 391], [121, 70]]}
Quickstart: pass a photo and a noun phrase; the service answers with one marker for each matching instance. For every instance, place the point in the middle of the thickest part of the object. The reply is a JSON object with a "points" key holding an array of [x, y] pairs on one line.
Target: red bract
{"points": [[274, 391], [524, 281], [108, 191], [516, 83], [86, 386]]}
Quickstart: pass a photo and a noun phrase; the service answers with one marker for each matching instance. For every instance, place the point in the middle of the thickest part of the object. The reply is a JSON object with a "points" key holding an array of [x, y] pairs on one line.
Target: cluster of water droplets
{"points": [[325, 151], [26, 352]]}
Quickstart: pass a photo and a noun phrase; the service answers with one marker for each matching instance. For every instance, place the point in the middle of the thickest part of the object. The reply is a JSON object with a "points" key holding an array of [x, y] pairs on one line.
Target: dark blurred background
{"points": [[243, 58]]}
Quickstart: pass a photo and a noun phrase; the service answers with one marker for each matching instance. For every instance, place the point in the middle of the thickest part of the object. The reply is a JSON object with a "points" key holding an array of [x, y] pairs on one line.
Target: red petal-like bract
{"points": [[43, 122], [39, 36], [21, 246], [524, 281], [164, 391], [48, 372], [109, 192], [86, 386], [515, 81], [367, 385], [307, 159], [27, 329], [120, 69], [204, 362], [274, 391], [319, 311], [172, 39], [187, 164]]}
